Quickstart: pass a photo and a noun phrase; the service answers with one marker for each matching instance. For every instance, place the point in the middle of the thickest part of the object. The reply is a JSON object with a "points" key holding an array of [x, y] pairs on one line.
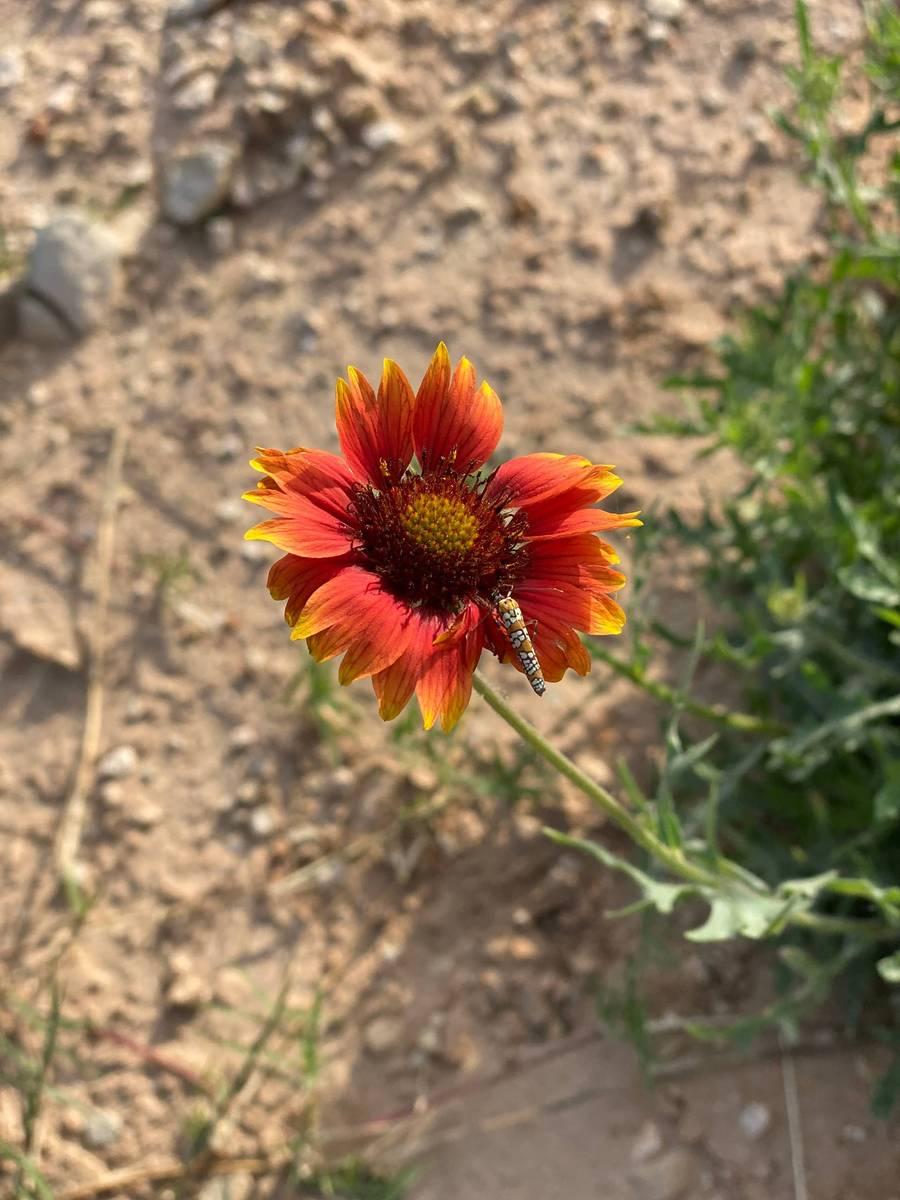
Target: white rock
{"points": [[145, 815], [230, 510], [242, 737], [664, 10], [382, 1034], [262, 823], [62, 100], [600, 18], [754, 1120], [101, 1129], [186, 988], [118, 763], [237, 1186], [647, 1144], [657, 33], [194, 184], [381, 135], [256, 551], [199, 92], [12, 69]]}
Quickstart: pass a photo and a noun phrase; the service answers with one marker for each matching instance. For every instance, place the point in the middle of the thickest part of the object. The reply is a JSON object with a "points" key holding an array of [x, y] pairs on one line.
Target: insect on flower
{"points": [[403, 555], [509, 616]]}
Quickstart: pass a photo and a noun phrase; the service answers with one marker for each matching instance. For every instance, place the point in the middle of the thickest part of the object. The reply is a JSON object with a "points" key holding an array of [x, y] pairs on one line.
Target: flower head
{"points": [[398, 554]]}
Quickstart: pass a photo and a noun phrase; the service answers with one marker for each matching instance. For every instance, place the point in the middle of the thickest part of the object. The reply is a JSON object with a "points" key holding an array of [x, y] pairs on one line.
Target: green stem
{"points": [[718, 713], [670, 857]]}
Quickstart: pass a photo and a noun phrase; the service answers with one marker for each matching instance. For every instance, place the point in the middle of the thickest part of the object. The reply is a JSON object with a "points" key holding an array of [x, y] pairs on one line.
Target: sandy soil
{"points": [[578, 196]]}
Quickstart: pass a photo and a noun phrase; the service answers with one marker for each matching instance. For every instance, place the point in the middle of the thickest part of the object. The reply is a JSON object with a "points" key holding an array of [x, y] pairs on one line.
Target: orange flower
{"points": [[401, 568]]}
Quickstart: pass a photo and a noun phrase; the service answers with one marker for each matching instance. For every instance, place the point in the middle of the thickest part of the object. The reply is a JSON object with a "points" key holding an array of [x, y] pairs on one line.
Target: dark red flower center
{"points": [[437, 542]]}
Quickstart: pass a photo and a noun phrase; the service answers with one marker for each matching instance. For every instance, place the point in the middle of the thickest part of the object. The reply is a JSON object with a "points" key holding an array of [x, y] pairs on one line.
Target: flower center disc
{"points": [[437, 543], [440, 524]]}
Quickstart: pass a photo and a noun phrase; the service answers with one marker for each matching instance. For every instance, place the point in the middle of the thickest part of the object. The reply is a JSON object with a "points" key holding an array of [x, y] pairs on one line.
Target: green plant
{"points": [[802, 789]]}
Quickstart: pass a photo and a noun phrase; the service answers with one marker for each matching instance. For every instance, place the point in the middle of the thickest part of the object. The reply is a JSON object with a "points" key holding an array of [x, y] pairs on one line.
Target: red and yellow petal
{"points": [[305, 529], [437, 665], [580, 561], [585, 520], [536, 479], [375, 432], [445, 686], [395, 685], [352, 613], [580, 549], [453, 422], [295, 579], [564, 603], [324, 478], [302, 466]]}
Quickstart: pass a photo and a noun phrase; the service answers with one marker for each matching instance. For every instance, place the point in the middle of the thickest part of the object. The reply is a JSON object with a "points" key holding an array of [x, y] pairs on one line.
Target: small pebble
{"points": [[118, 763], [382, 1034], [230, 510], [12, 70], [664, 10], [381, 135], [262, 823], [242, 737], [220, 235], [101, 1129], [754, 1120], [647, 1144]]}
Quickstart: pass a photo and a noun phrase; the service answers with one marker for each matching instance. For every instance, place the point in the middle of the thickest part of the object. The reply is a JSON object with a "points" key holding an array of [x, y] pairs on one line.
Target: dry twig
{"points": [[794, 1123], [71, 827]]}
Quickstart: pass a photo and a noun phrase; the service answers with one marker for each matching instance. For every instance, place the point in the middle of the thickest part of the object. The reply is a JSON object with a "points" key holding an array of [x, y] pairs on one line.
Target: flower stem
{"points": [[671, 857]]}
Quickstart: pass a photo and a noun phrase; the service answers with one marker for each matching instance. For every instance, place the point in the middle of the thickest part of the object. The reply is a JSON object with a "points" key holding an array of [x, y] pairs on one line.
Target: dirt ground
{"points": [[578, 196]]}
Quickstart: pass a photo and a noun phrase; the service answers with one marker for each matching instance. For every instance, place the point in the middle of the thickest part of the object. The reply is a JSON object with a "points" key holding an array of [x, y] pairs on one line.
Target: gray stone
{"points": [[669, 1176], [101, 1129], [118, 763], [194, 184], [36, 323], [69, 281], [189, 10]]}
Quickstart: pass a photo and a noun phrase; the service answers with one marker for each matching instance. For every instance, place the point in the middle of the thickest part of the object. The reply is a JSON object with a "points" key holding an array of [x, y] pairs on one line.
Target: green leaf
{"points": [[662, 896], [886, 804], [740, 913], [889, 968]]}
